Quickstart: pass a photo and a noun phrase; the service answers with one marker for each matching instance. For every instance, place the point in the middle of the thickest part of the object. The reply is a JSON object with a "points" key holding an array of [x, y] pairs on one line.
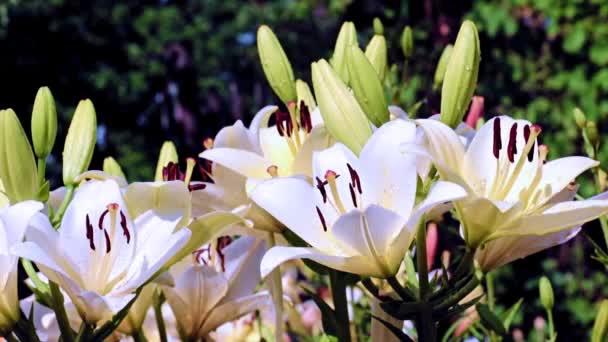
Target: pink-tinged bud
{"points": [[475, 112], [432, 241]]}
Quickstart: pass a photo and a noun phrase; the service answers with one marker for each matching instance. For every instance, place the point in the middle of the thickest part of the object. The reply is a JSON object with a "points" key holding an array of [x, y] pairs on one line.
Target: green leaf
{"points": [[490, 320], [575, 39], [401, 310], [328, 314], [396, 331], [508, 316]]}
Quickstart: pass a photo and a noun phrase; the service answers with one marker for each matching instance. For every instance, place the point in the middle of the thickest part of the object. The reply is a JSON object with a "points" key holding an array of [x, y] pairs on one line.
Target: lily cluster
{"points": [[334, 181]]}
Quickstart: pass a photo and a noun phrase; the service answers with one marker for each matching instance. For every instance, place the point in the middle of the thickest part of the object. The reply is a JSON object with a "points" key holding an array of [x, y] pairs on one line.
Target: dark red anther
{"points": [[497, 146], [283, 122], [90, 232], [305, 120], [512, 147], [321, 187], [101, 218], [354, 178], [108, 245], [204, 168], [322, 219], [197, 186], [172, 172], [222, 242], [125, 229], [352, 194]]}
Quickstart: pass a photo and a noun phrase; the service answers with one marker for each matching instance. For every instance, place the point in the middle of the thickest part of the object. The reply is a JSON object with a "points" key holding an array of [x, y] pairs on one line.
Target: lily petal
{"points": [[234, 309], [242, 259], [558, 173], [440, 193], [246, 163], [444, 145]]}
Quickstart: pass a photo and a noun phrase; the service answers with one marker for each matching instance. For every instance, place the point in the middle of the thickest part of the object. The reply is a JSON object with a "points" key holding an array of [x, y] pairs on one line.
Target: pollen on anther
{"points": [[90, 232], [331, 175], [125, 228], [321, 188], [322, 218], [512, 146], [497, 145]]}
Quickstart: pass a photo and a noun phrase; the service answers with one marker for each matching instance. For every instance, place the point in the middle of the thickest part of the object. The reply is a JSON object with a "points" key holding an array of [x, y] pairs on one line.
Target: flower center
{"points": [[113, 211], [171, 172], [213, 253], [293, 130]]}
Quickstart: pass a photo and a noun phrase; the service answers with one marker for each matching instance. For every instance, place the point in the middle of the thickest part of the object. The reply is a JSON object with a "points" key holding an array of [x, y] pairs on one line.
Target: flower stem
{"points": [[160, 322], [603, 221], [277, 293], [41, 170], [64, 205], [41, 286], [426, 325], [490, 286], [67, 334], [338, 292], [552, 335], [139, 336]]}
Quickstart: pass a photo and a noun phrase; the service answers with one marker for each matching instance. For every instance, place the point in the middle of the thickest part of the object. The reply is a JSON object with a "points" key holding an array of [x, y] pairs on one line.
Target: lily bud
{"points": [[378, 27], [304, 94], [168, 154], [600, 327], [376, 52], [276, 65], [546, 293], [579, 118], [3, 199], [79, 142], [460, 77], [111, 166], [341, 112], [442, 65], [592, 133], [346, 38], [17, 164], [44, 122], [367, 87], [407, 42]]}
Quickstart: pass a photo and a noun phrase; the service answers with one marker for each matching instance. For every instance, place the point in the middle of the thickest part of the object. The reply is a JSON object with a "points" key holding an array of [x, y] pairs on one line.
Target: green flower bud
{"points": [[44, 122], [17, 163], [442, 65], [376, 52], [367, 87], [3, 199], [378, 27], [600, 327], [592, 133], [546, 293], [579, 118], [111, 166], [304, 94], [346, 37], [276, 65], [341, 112], [407, 42], [168, 154], [79, 142], [460, 77]]}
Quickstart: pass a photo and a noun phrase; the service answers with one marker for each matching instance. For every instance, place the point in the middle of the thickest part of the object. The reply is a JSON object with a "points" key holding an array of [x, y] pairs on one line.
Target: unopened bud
{"points": [[44, 123], [304, 94], [367, 87], [111, 166], [346, 38], [407, 42], [378, 27], [79, 142], [600, 327], [579, 118], [341, 112], [460, 77], [376, 52], [168, 154], [592, 133], [3, 199], [17, 164], [276, 65], [442, 64], [546, 293]]}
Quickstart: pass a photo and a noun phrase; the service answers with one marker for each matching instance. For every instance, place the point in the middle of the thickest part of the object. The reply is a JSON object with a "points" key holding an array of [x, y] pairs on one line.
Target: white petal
{"points": [[17, 217], [292, 202], [236, 136], [336, 159], [242, 162], [231, 310], [242, 260], [168, 199], [276, 150], [260, 120], [92, 307], [440, 193], [318, 139], [444, 145], [558, 173], [391, 172]]}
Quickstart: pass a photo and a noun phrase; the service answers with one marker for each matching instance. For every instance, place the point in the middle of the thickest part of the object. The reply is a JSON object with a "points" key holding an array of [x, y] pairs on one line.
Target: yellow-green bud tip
{"points": [[111, 166], [579, 118], [276, 65], [442, 65], [376, 52], [407, 42], [79, 142], [44, 122], [546, 293], [346, 38], [378, 27]]}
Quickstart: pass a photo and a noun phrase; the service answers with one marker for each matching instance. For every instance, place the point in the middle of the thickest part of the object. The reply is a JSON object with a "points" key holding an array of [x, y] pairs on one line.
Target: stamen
{"points": [[108, 245], [354, 178], [208, 143], [273, 171], [352, 194], [512, 146], [497, 142], [322, 219], [90, 232], [321, 187], [125, 229], [196, 187], [305, 120], [543, 151], [222, 242], [205, 167], [101, 218], [190, 164], [526, 137], [330, 177]]}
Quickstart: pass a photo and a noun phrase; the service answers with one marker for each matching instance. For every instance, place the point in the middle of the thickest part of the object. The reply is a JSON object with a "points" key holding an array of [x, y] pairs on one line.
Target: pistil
{"points": [[330, 177]]}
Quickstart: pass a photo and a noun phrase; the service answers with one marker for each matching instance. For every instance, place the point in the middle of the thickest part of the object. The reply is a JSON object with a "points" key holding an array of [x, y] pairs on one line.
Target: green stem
{"points": [[41, 286], [426, 325], [395, 285], [490, 286], [603, 221], [41, 170], [67, 335], [277, 293], [160, 322], [139, 336], [552, 335], [11, 338], [338, 292], [64, 205], [84, 332]]}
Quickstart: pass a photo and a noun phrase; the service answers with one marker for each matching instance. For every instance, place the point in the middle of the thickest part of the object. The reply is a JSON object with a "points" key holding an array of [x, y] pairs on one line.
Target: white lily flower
{"points": [[3, 198], [13, 223], [512, 192], [99, 256], [259, 152], [360, 216], [204, 298]]}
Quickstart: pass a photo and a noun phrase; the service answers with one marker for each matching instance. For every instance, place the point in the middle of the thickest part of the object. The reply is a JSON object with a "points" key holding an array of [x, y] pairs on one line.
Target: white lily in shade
{"points": [[259, 152], [512, 192], [208, 294], [99, 256], [360, 215], [13, 223]]}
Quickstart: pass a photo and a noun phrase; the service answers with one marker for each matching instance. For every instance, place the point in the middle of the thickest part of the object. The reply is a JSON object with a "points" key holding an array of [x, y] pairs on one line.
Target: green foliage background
{"points": [[181, 70]]}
